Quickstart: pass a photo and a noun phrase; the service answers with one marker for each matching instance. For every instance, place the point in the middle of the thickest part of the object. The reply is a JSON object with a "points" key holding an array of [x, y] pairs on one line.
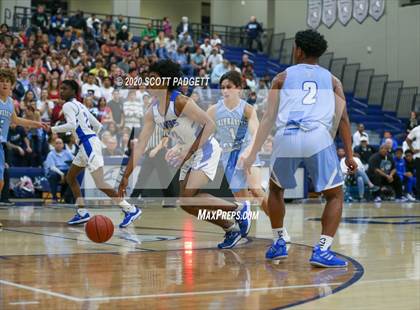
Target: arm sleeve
{"points": [[70, 115], [412, 134]]}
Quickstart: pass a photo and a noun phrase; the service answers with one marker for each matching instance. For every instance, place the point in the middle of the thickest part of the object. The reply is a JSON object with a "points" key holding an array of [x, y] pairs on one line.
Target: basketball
{"points": [[99, 229]]}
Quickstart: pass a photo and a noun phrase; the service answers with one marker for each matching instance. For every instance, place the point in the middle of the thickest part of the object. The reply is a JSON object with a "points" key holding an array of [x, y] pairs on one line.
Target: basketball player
{"points": [[304, 102], [85, 127], [237, 125], [8, 115], [196, 150]]}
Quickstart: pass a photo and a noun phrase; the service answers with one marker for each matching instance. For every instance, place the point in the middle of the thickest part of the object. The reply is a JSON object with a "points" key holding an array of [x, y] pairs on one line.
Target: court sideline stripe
{"points": [[39, 290]]}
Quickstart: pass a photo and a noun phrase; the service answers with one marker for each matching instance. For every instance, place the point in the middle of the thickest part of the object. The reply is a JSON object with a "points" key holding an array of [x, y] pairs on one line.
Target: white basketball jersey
{"points": [[180, 128], [306, 111]]}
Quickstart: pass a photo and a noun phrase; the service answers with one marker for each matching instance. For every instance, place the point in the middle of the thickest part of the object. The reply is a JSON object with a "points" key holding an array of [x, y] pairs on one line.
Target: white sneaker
{"points": [[378, 199], [410, 198], [402, 199]]}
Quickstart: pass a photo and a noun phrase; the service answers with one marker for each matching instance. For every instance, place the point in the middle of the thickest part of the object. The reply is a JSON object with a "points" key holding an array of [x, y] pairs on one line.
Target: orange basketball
{"points": [[99, 228]]}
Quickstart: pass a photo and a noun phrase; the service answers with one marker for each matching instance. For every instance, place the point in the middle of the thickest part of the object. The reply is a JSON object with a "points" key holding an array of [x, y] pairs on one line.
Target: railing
{"points": [[230, 35]]}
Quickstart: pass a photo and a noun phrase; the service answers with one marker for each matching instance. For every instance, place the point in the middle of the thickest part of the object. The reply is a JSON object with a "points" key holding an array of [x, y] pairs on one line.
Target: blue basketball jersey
{"points": [[6, 111], [232, 127], [306, 112]]}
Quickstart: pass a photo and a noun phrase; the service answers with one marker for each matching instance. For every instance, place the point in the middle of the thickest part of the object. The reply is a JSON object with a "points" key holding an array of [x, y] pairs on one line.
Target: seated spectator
{"points": [[89, 103], [412, 122], [149, 32], [410, 174], [90, 88], [99, 69], [206, 47], [358, 134], [167, 26], [45, 106], [92, 19], [104, 112], [56, 166], [364, 150], [198, 60], [186, 41], [53, 90], [19, 146], [40, 18], [382, 172], [116, 105], [111, 147], [215, 40], [218, 71], [160, 43], [171, 47], [360, 175], [182, 59], [214, 59], [106, 89], [388, 135], [401, 171], [390, 144], [123, 35]]}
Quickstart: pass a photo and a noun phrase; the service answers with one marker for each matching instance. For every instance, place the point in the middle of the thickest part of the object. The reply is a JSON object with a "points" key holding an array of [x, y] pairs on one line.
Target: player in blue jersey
{"points": [[307, 104], [8, 115], [236, 128]]}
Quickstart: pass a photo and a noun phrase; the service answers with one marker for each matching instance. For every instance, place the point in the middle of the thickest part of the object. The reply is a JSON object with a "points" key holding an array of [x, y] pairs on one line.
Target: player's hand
{"points": [[28, 150], [351, 165], [123, 185], [247, 162], [390, 178]]}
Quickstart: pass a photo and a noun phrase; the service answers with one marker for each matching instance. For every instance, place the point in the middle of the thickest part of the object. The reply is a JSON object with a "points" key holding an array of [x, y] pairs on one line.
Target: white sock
{"points": [[234, 227], [277, 233], [325, 242], [82, 211], [127, 207]]}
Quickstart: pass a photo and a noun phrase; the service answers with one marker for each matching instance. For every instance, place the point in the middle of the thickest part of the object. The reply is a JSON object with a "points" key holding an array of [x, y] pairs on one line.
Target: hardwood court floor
{"points": [[169, 261]]}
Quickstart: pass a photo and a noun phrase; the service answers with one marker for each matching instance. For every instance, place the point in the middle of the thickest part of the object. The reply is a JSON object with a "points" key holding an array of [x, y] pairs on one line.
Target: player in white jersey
{"points": [[307, 103], [81, 123], [196, 151]]}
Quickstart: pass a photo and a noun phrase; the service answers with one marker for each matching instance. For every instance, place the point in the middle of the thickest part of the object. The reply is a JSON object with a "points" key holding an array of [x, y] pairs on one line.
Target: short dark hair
{"points": [[408, 152], [234, 76], [399, 149], [312, 43], [168, 69], [73, 85], [8, 74]]}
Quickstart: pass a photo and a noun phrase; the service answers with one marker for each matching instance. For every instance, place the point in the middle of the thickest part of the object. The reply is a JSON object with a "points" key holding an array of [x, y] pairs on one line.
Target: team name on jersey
{"points": [[229, 121], [169, 124], [6, 113]]}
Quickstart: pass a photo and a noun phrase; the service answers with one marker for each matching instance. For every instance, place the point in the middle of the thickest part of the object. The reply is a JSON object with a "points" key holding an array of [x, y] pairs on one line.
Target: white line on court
{"points": [[16, 303], [258, 289], [38, 290]]}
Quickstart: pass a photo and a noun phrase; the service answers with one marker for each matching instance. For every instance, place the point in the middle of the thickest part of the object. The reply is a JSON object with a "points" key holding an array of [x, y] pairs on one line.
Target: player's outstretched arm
{"points": [[138, 151], [344, 125], [19, 121], [267, 121], [69, 111]]}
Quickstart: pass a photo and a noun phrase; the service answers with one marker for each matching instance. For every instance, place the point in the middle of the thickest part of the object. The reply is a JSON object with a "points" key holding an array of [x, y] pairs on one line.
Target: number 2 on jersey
{"points": [[311, 88]]}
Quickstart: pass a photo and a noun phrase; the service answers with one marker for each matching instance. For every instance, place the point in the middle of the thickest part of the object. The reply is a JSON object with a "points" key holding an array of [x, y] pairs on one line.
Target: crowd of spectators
{"points": [[94, 52], [391, 170]]}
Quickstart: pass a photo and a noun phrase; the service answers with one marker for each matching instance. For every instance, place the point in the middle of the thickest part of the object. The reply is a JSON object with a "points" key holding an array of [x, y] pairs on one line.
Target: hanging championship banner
{"points": [[314, 13], [377, 9], [360, 10], [345, 10], [329, 12]]}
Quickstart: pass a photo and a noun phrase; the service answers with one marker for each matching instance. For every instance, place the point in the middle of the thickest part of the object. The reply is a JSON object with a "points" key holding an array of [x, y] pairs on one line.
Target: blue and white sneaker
{"points": [[231, 239], [130, 217], [277, 250], [245, 223], [78, 219], [327, 259]]}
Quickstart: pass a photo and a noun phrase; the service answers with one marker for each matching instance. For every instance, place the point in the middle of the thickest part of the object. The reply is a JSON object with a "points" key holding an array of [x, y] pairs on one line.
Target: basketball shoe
{"points": [[277, 250], [326, 259]]}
